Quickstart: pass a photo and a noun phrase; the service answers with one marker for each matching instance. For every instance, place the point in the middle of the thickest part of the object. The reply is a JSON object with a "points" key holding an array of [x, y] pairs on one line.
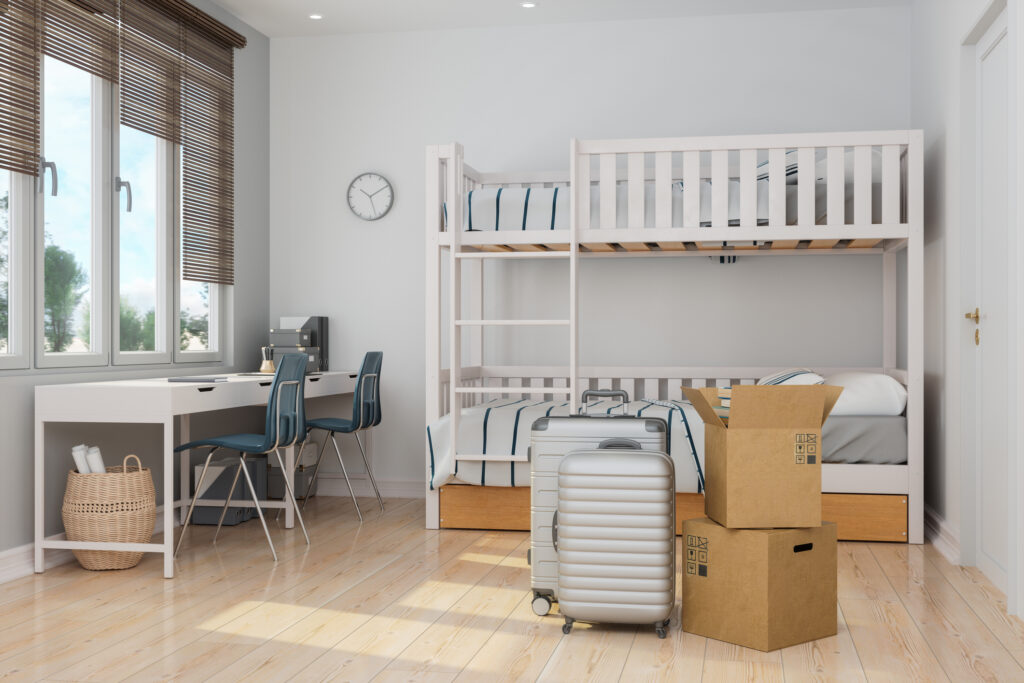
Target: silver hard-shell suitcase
{"points": [[551, 439], [615, 536]]}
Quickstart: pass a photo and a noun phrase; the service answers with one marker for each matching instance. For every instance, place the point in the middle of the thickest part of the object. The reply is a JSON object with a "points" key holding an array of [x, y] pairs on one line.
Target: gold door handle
{"points": [[976, 316]]}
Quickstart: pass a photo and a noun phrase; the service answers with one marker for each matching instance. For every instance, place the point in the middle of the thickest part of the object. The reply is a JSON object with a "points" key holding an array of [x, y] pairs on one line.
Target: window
{"points": [[69, 220], [5, 259], [14, 255]]}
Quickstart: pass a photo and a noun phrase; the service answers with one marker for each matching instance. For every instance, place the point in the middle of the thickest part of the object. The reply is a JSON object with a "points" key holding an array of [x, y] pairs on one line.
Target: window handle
{"points": [[43, 165], [118, 184]]}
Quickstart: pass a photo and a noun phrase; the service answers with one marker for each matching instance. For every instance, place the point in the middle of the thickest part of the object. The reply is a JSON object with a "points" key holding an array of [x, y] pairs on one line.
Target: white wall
{"points": [[514, 96], [242, 338], [939, 26]]}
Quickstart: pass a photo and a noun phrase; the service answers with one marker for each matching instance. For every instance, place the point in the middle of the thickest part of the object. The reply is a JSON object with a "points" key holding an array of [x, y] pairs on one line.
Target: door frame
{"points": [[959, 336]]}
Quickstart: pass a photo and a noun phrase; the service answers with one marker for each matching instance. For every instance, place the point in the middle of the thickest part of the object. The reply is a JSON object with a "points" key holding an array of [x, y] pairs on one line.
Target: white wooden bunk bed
{"points": [[808, 194]]}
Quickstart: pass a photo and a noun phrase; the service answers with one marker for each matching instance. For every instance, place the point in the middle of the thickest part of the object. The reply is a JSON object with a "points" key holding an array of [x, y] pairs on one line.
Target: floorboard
{"points": [[387, 600]]}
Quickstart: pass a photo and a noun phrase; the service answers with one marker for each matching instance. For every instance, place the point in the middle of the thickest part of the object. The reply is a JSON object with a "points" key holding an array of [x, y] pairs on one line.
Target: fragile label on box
{"points": [[805, 449], [697, 555]]}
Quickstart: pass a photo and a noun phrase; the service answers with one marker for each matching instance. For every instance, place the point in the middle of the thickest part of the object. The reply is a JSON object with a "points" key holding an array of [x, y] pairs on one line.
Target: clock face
{"points": [[370, 196]]}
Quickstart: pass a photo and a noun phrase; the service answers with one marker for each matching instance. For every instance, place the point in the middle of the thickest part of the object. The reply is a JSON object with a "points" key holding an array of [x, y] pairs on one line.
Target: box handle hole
{"points": [[803, 547]]}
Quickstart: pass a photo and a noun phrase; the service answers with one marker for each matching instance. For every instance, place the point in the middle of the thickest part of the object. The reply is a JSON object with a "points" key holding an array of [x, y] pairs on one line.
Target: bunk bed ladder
{"points": [[456, 187]]}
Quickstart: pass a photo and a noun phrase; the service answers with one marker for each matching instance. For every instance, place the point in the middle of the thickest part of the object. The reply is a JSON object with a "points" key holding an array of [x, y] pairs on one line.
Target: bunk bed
{"points": [[757, 196]]}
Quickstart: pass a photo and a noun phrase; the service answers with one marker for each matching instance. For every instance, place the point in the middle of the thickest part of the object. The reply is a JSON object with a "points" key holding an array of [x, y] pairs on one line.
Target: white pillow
{"points": [[792, 377], [868, 393]]}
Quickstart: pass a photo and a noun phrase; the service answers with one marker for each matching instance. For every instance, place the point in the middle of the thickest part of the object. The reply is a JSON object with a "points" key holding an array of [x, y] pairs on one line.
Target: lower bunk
{"points": [[858, 516]]}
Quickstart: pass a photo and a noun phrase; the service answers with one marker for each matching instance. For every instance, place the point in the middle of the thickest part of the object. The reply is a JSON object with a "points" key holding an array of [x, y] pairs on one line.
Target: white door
{"points": [[991, 330]]}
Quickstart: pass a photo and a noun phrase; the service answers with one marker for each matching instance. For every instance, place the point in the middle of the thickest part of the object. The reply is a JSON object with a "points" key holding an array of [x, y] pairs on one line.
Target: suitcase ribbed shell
{"points": [[551, 439], [616, 536]]}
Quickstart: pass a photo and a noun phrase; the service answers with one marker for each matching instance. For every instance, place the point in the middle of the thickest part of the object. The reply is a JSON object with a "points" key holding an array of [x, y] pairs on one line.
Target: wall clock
{"points": [[370, 196]]}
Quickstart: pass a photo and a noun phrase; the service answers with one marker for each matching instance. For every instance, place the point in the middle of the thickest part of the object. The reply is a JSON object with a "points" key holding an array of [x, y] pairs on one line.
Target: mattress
{"points": [[502, 426], [874, 440]]}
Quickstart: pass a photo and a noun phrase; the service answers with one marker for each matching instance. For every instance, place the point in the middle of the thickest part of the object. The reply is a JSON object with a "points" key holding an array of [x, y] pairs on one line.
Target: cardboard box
{"points": [[763, 465], [759, 588]]}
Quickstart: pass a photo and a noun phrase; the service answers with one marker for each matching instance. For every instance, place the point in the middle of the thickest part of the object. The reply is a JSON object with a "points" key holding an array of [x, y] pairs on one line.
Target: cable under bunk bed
{"points": [[807, 194]]}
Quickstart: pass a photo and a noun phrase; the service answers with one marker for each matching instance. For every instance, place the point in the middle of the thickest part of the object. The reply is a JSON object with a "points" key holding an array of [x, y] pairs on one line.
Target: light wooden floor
{"points": [[392, 601]]}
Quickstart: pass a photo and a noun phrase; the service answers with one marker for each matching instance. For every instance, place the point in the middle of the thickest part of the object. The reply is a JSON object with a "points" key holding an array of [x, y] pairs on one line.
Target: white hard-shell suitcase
{"points": [[551, 438], [615, 536]]}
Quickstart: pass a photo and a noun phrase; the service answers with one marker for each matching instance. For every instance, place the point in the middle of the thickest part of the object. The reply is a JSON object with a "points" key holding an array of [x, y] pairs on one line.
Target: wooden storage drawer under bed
{"points": [[859, 516]]}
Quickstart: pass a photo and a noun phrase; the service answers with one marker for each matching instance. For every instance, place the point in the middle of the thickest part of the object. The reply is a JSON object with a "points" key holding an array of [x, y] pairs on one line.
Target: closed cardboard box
{"points": [[759, 588], [763, 461]]}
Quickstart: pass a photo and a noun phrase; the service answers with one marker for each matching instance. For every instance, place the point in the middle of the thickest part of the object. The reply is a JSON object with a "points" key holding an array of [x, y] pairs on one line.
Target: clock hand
{"points": [[365, 192], [380, 190]]}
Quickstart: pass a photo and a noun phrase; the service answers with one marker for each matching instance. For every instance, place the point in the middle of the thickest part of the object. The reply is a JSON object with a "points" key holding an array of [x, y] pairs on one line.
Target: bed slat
{"points": [[691, 189], [805, 185], [777, 195], [719, 188], [663, 190], [583, 192], [607, 191], [862, 191], [891, 184], [748, 188], [635, 188]]}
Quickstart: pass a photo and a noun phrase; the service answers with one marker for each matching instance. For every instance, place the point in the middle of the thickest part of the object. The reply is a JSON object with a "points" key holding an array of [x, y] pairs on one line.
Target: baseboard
{"points": [[940, 534], [333, 484], [18, 562]]}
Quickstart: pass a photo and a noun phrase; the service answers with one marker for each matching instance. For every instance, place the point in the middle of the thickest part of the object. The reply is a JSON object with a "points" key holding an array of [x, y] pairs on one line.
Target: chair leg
{"points": [[298, 462], [192, 505], [369, 473], [259, 510], [345, 472], [316, 472], [291, 494], [227, 502]]}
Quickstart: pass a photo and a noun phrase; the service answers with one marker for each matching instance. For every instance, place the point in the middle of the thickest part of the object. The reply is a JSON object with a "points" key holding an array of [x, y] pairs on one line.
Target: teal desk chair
{"points": [[365, 415], [285, 426]]}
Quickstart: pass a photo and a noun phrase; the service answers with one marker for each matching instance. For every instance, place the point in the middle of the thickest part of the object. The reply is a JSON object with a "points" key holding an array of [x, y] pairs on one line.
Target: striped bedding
{"points": [[502, 426]]}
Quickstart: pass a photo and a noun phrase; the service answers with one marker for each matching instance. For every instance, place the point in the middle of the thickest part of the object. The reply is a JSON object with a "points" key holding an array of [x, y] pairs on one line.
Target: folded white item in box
{"points": [[868, 393]]}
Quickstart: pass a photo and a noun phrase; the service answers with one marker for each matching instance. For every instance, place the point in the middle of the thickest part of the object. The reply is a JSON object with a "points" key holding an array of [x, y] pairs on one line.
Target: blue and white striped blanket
{"points": [[502, 426]]}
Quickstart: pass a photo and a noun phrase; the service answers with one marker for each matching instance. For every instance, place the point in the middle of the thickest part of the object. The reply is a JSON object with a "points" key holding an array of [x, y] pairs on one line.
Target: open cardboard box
{"points": [[759, 588], [763, 466]]}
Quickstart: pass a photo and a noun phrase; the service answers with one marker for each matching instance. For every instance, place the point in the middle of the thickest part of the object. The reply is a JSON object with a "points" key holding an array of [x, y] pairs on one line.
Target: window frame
{"points": [[164, 294], [19, 271], [99, 288]]}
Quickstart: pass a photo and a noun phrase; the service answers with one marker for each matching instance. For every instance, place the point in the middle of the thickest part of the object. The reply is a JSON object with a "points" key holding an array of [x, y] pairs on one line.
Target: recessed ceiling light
{"points": [[316, 17], [528, 5]]}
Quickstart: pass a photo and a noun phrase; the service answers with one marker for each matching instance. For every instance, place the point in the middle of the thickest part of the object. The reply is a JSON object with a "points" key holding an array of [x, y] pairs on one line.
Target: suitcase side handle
{"points": [[620, 444], [605, 393], [554, 530]]}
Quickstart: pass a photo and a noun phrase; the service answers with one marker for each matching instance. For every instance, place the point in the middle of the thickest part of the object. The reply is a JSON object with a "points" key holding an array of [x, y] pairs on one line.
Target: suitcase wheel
{"points": [[662, 629], [541, 605], [567, 626]]}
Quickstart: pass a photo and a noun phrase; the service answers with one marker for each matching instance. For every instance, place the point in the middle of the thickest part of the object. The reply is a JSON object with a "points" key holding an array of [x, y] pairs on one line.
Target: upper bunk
{"points": [[856, 192]]}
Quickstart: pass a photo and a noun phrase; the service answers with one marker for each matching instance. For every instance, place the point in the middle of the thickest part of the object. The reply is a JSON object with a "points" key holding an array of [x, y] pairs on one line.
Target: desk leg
{"points": [[40, 469], [289, 471], [169, 498], [186, 464]]}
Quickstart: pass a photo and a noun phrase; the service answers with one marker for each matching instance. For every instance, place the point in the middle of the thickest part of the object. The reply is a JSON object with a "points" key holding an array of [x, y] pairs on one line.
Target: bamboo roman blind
{"points": [[174, 69]]}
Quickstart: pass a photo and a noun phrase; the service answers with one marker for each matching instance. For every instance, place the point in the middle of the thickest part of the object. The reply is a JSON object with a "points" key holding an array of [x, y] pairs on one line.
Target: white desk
{"points": [[157, 401]]}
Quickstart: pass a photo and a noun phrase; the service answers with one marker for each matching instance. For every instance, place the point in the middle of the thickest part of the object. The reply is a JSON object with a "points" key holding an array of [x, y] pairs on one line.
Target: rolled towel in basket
{"points": [[78, 453], [95, 460]]}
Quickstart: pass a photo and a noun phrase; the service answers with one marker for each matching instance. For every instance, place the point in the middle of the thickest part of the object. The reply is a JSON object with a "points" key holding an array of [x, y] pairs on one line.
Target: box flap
{"points": [[704, 400], [770, 407], [831, 396]]}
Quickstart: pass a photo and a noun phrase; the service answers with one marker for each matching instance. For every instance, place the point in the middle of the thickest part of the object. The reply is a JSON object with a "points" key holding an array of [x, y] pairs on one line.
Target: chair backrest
{"points": [[366, 402], [286, 414]]}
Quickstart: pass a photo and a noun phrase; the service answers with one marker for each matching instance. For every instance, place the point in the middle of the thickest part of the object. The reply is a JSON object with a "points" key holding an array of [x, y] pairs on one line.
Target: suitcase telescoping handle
{"points": [[554, 530], [605, 393]]}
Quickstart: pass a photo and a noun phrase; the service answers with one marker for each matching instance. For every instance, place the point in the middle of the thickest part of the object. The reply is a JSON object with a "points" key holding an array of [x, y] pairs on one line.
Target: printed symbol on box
{"points": [[691, 568], [702, 570], [800, 438], [812, 449], [800, 449], [811, 459], [691, 541], [702, 556], [702, 543], [691, 553], [800, 459]]}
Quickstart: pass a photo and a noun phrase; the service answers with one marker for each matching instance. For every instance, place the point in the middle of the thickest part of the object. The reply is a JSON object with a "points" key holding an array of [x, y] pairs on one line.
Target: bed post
{"points": [[915, 335], [576, 195], [454, 191], [433, 322]]}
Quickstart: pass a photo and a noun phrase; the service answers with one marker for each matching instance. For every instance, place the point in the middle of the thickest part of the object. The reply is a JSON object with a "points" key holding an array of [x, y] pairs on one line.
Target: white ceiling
{"points": [[278, 18]]}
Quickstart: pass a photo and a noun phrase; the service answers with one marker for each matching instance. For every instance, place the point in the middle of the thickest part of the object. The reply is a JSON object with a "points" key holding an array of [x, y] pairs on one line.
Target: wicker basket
{"points": [[118, 506]]}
